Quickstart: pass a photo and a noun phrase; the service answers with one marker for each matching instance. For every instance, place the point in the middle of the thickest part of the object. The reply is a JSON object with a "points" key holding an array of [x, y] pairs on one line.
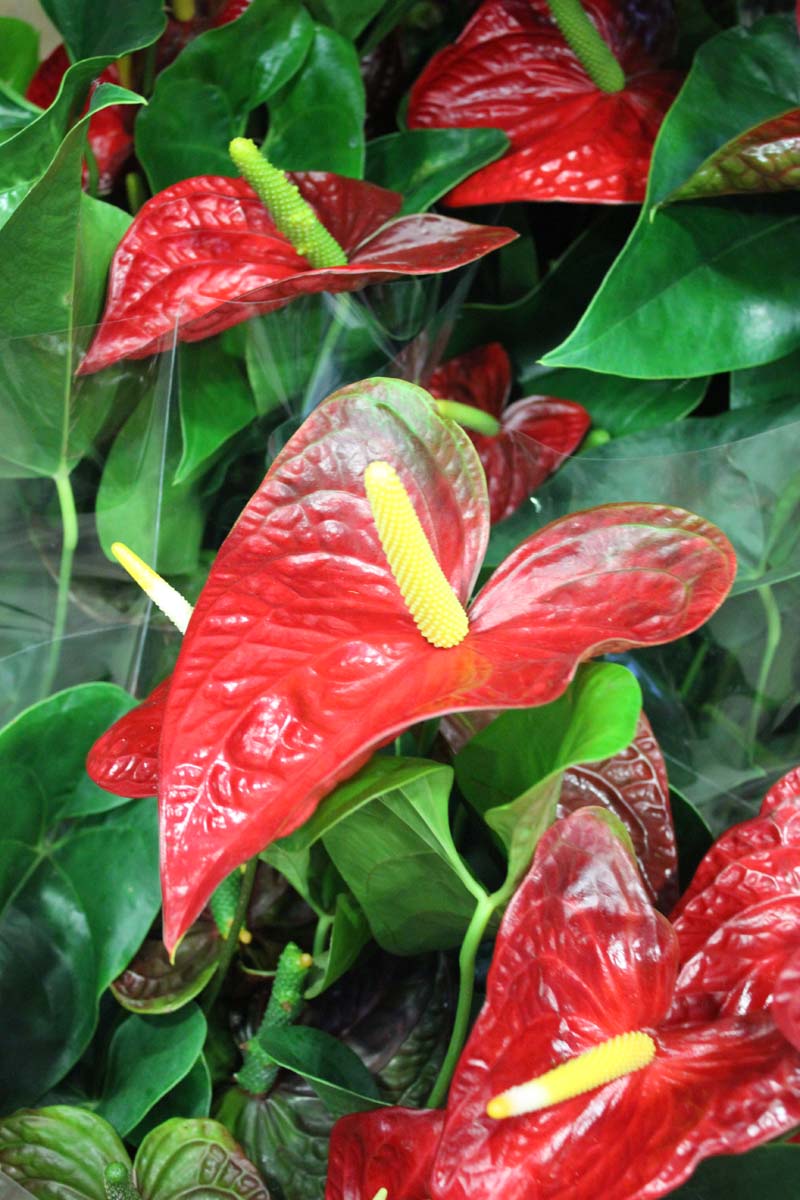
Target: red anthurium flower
{"points": [[739, 921], [603, 1096], [205, 254], [311, 644], [512, 69], [535, 435], [633, 785], [110, 137]]}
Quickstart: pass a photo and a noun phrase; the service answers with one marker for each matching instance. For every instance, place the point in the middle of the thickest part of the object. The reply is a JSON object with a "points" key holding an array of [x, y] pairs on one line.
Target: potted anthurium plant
{"points": [[426, 823]]}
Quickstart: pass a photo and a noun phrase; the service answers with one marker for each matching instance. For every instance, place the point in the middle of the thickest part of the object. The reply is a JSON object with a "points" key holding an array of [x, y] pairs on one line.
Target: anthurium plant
{"points": [[399, 609]]}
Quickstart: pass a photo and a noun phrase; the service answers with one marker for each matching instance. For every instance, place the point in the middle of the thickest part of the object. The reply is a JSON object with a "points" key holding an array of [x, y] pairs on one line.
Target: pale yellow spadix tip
{"points": [[245, 937], [172, 604], [381, 1194], [621, 1055], [429, 597], [306, 961]]}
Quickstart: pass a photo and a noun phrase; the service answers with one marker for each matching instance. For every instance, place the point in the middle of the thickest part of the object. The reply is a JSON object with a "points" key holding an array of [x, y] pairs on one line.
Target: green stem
{"points": [[773, 622], [587, 45], [231, 942], [324, 923], [694, 668], [466, 986], [69, 542], [469, 416]]}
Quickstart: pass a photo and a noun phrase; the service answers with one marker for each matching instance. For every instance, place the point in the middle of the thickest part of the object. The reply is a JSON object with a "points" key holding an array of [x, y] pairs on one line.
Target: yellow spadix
{"points": [[172, 604]]}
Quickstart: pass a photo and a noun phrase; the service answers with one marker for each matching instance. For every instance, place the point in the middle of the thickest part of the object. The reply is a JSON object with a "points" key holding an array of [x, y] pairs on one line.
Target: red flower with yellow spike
{"points": [[574, 1082], [334, 617], [520, 445], [210, 252]]}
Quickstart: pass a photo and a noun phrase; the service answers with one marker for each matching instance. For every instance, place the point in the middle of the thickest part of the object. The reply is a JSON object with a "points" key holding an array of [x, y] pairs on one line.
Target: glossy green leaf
{"points": [[702, 288], [776, 380], [618, 405], [317, 119], [769, 1171], [423, 164], [147, 1057], [16, 112], [334, 1071], [348, 17], [349, 934], [511, 771], [26, 157], [191, 1097], [417, 894], [58, 1152], [195, 1158], [138, 503], [692, 834], [113, 27], [738, 470], [19, 52], [65, 239], [285, 1134], [202, 100], [152, 984], [215, 403], [79, 895]]}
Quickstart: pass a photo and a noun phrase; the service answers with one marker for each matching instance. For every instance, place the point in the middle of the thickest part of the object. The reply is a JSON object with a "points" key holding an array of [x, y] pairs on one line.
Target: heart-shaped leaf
{"points": [[423, 164], [19, 52], [58, 1151], [112, 27], [185, 1158], [334, 1071], [199, 104]]}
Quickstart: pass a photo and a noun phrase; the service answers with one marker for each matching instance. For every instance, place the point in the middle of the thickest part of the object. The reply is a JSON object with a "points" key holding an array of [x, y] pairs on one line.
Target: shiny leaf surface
{"points": [[231, 263], [316, 121], [19, 52], [146, 1058], [199, 104], [113, 27], [334, 1071], [185, 1158], [677, 254], [215, 403], [765, 159], [512, 69], [423, 164], [536, 433], [59, 1151]]}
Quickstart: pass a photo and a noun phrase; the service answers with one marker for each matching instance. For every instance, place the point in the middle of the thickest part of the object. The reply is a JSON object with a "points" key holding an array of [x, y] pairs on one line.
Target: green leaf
{"points": [[215, 403], [349, 934], [19, 52], [774, 381], [679, 300], [195, 1158], [153, 984], [111, 27], [423, 164], [335, 1072], [147, 1057], [316, 122], [137, 502], [618, 405], [48, 420], [59, 1152], [397, 856], [692, 834], [348, 17], [511, 772], [203, 99], [770, 1171], [738, 470], [191, 1097], [79, 895], [15, 112], [285, 1134]]}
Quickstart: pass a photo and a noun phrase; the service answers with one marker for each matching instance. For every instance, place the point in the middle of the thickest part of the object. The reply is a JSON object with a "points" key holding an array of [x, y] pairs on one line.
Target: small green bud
{"points": [[595, 438], [293, 216], [118, 1184]]}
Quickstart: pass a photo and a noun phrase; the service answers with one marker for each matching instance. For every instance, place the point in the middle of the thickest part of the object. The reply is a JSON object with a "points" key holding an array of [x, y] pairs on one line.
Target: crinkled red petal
{"points": [[125, 759], [389, 1148], [511, 69], [204, 254], [633, 785]]}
